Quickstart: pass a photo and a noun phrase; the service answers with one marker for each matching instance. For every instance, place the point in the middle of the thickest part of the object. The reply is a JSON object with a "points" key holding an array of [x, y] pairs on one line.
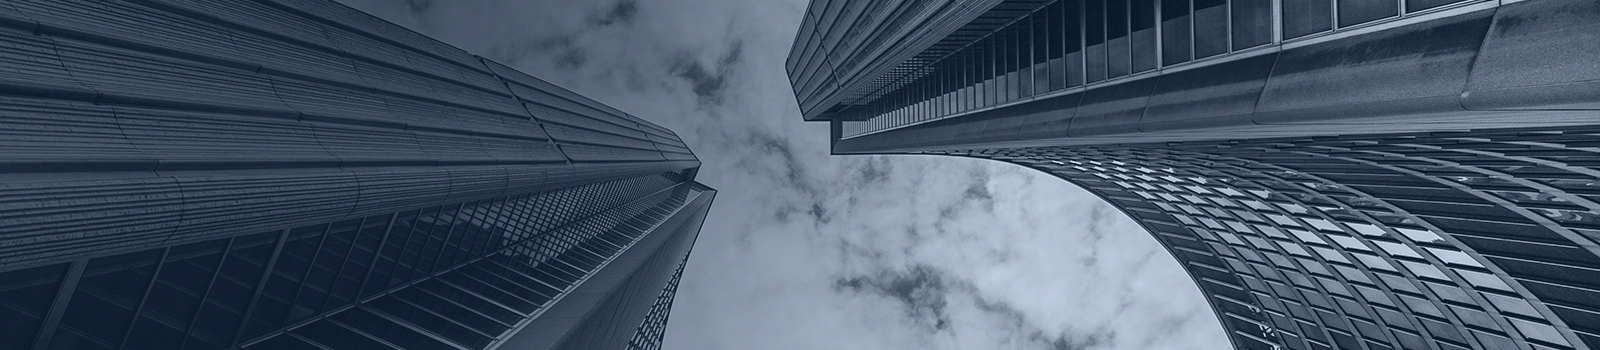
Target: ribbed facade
{"points": [[1332, 174], [295, 174]]}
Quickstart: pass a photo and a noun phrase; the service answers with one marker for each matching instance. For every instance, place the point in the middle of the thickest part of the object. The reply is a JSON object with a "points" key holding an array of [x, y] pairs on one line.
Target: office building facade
{"points": [[1333, 174], [296, 174]]}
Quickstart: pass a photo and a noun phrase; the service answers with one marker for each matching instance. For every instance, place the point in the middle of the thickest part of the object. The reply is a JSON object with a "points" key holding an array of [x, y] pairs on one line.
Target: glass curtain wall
{"points": [[1067, 43]]}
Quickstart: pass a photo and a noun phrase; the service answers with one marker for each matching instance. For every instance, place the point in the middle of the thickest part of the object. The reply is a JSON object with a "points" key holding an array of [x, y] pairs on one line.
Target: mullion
{"points": [[227, 249], [311, 264], [161, 261], [255, 296]]}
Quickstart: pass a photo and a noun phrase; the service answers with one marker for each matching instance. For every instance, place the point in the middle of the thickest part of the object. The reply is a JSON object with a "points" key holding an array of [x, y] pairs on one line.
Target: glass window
{"points": [[1454, 257], [1397, 249], [1368, 230], [1117, 61], [1293, 208], [1539, 331], [105, 302], [1323, 225], [25, 298], [1054, 27], [1072, 32], [1252, 23], [1175, 32], [1518, 306], [1294, 249], [1484, 280], [1330, 255], [1420, 5], [1420, 236], [1210, 28], [1352, 274], [1349, 243], [1095, 36], [1425, 270], [1142, 36], [236, 282], [1353, 12], [1306, 17], [1373, 261], [1040, 35], [273, 305], [1421, 306], [1307, 237], [176, 296]]}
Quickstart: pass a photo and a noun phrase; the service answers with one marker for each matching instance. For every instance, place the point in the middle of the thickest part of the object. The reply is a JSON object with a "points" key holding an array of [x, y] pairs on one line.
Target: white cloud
{"points": [[804, 250]]}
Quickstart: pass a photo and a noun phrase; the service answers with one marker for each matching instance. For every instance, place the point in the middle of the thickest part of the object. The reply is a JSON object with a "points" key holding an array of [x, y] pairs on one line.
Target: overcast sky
{"points": [[809, 251]]}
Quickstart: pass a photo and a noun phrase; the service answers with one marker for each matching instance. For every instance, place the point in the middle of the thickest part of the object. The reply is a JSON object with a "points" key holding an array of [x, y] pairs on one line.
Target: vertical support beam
{"points": [[377, 251], [69, 284], [161, 261], [227, 248], [266, 273]]}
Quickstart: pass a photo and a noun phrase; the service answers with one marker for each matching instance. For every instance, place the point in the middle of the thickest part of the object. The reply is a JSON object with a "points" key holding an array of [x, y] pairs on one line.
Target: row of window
{"points": [[1070, 43], [211, 294], [1216, 219]]}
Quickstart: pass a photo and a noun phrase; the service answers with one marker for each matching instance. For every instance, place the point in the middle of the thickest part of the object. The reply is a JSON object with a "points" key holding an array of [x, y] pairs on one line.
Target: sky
{"points": [[803, 250]]}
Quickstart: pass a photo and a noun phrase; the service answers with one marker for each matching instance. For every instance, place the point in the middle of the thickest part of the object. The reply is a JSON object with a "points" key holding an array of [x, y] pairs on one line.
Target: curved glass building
{"points": [[295, 174], [1333, 174]]}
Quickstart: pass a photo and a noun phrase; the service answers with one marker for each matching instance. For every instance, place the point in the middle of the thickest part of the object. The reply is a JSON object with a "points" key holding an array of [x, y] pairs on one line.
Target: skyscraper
{"points": [[1333, 174], [296, 174]]}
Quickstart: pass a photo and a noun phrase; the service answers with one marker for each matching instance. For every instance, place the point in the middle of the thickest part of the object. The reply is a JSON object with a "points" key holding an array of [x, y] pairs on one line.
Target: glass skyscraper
{"points": [[1333, 174], [295, 174]]}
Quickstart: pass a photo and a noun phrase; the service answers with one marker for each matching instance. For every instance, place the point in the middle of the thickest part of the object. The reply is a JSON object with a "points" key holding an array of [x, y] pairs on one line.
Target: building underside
{"points": [[296, 174], [1332, 174]]}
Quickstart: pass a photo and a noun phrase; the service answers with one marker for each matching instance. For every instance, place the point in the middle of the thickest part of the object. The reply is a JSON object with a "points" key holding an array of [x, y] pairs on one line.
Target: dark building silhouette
{"points": [[296, 174], [1333, 174]]}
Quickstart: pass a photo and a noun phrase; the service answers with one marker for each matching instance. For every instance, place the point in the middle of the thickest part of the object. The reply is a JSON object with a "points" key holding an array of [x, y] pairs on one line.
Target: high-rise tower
{"points": [[295, 174], [1333, 174]]}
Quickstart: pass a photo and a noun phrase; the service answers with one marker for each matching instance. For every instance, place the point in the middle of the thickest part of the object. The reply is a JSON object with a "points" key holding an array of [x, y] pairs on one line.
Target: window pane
{"points": [[1142, 41], [1095, 39], [1072, 32], [231, 292], [1210, 28], [1042, 48], [1252, 23], [25, 297], [1306, 17], [1175, 33], [1353, 12], [176, 296], [1117, 61], [105, 301], [1056, 27], [1419, 5]]}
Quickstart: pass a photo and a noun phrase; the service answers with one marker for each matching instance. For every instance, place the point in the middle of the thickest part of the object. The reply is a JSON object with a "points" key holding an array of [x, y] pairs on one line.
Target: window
{"points": [[1420, 5], [1117, 61], [1397, 249], [1353, 12], [1453, 257], [106, 300], [1142, 36], [1095, 36], [1210, 28], [1252, 23], [1483, 280], [1307, 237], [1349, 243], [1175, 32], [1420, 236], [1306, 17], [1425, 271], [1072, 32]]}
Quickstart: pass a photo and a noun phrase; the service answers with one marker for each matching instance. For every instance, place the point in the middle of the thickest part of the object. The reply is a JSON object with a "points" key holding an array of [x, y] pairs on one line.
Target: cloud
{"points": [[809, 251], [621, 12]]}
